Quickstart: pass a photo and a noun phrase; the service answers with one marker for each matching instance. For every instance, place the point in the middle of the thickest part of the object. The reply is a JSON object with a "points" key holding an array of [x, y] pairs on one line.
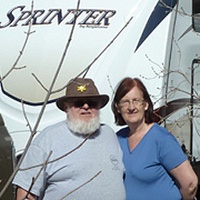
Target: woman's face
{"points": [[132, 107]]}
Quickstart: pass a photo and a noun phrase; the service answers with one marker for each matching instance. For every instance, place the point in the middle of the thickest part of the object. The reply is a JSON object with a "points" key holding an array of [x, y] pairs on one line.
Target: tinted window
{"points": [[196, 15]]}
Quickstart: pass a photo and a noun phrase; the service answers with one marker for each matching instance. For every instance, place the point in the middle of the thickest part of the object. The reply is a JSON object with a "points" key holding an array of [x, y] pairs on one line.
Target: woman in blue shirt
{"points": [[156, 167]]}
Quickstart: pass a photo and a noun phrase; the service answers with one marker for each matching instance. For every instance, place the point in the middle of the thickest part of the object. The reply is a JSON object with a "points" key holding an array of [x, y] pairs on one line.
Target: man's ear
{"points": [[66, 106]]}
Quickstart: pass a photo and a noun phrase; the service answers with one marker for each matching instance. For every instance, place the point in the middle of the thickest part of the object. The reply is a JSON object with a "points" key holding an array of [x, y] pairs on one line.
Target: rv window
{"points": [[196, 15]]}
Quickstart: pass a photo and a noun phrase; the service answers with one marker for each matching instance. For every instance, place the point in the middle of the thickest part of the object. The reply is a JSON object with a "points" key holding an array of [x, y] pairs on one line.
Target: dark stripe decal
{"points": [[21, 100], [161, 10]]}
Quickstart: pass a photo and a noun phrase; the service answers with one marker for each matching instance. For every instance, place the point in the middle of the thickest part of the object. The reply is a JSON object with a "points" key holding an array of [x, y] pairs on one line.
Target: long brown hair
{"points": [[123, 88]]}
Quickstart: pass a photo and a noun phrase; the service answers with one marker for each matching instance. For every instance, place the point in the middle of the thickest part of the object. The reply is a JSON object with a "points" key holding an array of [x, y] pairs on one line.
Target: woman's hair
{"points": [[123, 88]]}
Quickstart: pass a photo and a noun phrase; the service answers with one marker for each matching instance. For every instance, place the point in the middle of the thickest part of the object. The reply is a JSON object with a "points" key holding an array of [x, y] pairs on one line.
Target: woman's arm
{"points": [[21, 195], [186, 179]]}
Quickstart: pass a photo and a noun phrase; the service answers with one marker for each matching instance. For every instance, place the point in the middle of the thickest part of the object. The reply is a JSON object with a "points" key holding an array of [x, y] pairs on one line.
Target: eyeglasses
{"points": [[80, 103], [126, 102]]}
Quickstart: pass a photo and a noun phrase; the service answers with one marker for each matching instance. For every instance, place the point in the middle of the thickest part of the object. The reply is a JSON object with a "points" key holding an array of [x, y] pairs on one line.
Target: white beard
{"points": [[82, 127]]}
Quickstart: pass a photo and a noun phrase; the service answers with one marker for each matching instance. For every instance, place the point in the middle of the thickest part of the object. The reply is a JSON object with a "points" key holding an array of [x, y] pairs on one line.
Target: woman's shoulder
{"points": [[161, 133], [157, 128]]}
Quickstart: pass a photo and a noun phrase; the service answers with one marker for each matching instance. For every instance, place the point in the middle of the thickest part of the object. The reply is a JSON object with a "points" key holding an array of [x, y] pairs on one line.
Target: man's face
{"points": [[82, 116], [83, 109]]}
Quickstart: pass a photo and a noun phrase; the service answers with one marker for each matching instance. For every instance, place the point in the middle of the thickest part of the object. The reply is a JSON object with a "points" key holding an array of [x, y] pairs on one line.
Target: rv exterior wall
{"points": [[144, 38]]}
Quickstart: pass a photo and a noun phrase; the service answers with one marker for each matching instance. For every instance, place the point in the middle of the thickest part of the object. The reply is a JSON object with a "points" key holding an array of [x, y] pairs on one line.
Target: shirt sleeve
{"points": [[31, 173], [171, 154]]}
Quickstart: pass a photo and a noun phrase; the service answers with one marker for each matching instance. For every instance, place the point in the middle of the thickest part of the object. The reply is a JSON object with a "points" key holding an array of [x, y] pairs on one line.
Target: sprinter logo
{"points": [[18, 16]]}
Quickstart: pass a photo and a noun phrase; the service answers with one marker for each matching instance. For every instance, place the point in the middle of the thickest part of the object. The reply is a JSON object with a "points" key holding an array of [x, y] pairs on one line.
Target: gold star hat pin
{"points": [[81, 88]]}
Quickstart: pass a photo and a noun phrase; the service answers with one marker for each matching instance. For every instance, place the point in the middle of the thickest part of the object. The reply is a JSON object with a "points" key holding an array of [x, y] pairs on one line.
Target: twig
{"points": [[26, 118], [35, 178], [56, 159], [81, 185], [39, 82], [13, 67], [22, 50], [85, 71], [89, 66]]}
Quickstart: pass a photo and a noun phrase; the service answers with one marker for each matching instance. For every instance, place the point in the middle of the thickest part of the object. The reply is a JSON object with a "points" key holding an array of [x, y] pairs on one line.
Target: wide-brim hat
{"points": [[82, 88]]}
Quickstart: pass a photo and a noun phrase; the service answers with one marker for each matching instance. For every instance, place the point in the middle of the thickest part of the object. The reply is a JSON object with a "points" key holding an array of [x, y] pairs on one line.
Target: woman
{"points": [[156, 167]]}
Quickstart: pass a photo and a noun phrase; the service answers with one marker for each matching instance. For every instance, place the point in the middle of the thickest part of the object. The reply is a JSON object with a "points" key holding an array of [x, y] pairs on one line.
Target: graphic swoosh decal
{"points": [[161, 10], [171, 107]]}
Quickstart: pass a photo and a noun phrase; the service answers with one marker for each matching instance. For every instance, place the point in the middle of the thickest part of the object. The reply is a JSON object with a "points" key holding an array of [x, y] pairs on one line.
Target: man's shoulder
{"points": [[52, 130], [61, 124], [106, 127]]}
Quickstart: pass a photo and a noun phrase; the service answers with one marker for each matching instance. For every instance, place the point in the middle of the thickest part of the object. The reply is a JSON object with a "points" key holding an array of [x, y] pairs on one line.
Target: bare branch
{"points": [[44, 104], [28, 33], [81, 185], [35, 178], [40, 82], [52, 161], [89, 66], [26, 118], [85, 71]]}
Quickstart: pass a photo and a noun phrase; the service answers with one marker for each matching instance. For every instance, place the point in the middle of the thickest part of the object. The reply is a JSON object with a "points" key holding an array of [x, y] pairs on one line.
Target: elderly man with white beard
{"points": [[77, 159]]}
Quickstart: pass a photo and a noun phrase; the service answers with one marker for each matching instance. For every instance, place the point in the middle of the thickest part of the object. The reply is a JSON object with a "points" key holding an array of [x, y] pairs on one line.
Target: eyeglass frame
{"points": [[127, 102]]}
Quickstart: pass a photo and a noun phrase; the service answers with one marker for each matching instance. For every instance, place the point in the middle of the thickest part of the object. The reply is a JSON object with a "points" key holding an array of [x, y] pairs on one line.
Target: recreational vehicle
{"points": [[46, 43]]}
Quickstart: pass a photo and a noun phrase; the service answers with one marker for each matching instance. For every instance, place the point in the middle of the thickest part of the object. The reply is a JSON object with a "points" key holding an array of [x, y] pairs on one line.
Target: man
{"points": [[75, 159]]}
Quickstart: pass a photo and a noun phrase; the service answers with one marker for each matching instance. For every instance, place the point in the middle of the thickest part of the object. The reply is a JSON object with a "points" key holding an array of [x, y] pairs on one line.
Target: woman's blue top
{"points": [[147, 166]]}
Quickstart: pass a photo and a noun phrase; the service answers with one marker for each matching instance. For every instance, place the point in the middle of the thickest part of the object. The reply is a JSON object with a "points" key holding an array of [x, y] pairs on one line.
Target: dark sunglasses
{"points": [[81, 102]]}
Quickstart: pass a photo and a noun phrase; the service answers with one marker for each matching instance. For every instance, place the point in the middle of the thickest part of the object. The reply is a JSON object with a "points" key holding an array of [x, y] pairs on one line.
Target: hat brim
{"points": [[101, 99]]}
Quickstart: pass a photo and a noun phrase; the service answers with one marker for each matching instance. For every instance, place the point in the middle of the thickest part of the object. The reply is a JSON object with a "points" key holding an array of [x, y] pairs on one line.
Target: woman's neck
{"points": [[139, 129]]}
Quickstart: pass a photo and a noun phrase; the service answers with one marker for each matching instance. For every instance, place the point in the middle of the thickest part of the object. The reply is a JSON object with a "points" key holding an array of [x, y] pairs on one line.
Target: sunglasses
{"points": [[81, 102]]}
